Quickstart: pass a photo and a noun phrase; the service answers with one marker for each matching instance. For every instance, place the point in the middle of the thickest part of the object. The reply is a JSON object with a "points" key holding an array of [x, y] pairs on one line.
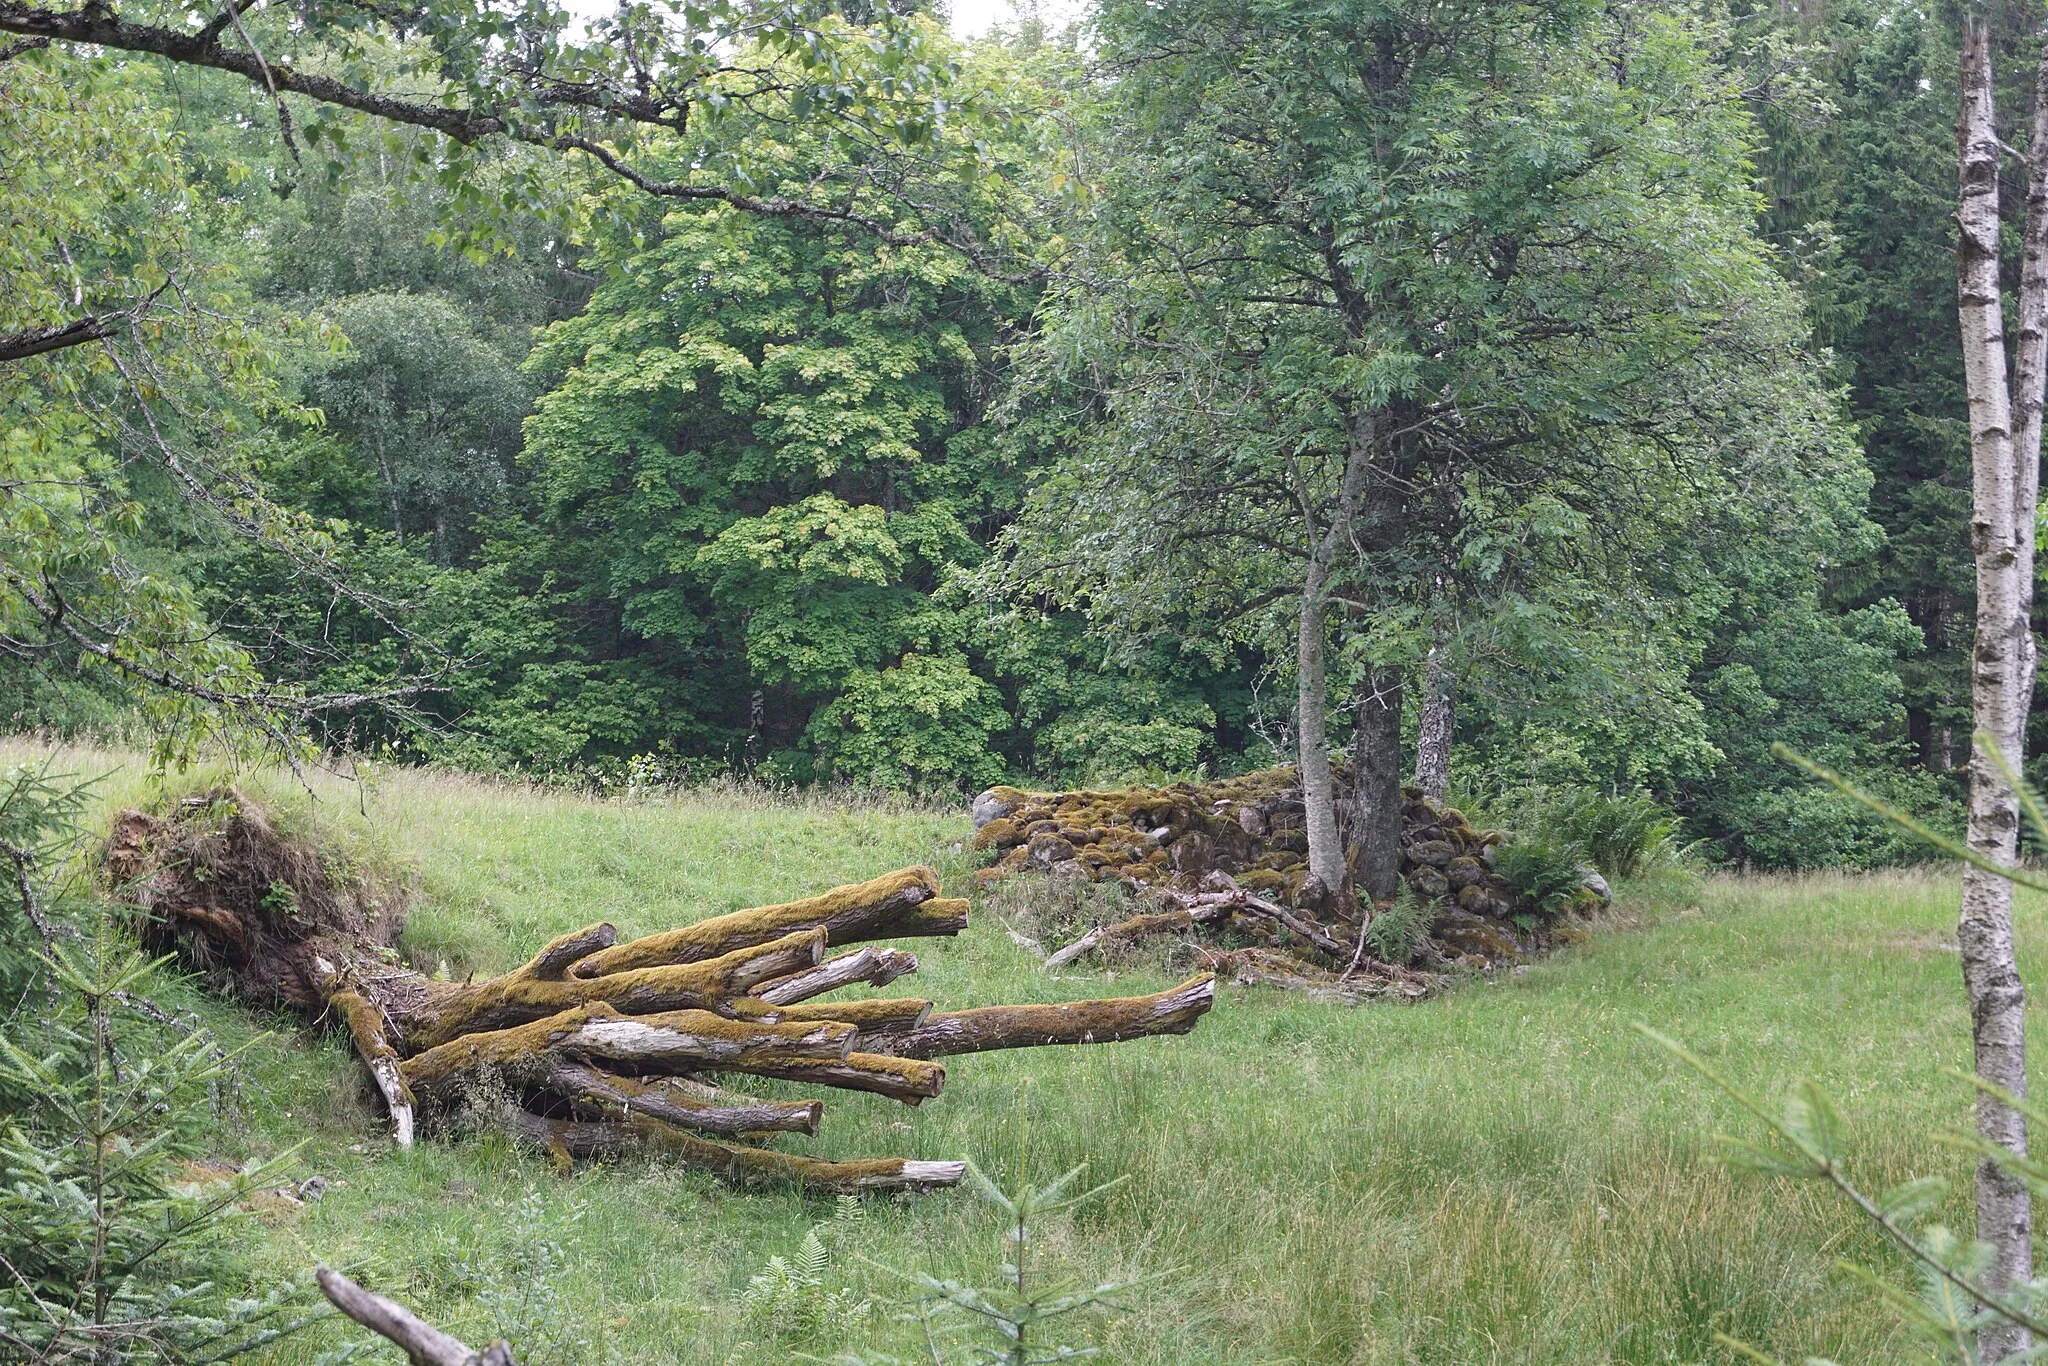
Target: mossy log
{"points": [[883, 1013], [989, 1027], [650, 1045], [742, 1166], [910, 1080], [1142, 926], [542, 987], [864, 910], [594, 1047], [597, 1094]]}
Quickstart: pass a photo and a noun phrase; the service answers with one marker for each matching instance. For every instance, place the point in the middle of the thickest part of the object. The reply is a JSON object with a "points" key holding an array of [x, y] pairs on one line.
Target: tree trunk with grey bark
{"points": [[1312, 723], [1433, 731], [2005, 442], [1376, 787]]}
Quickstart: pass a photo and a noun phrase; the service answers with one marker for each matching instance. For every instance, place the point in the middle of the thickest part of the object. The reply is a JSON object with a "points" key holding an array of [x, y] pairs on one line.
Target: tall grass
{"points": [[1504, 1174]]}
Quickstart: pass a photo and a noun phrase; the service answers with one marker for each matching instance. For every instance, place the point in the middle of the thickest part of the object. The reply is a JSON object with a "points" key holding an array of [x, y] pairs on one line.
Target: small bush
{"points": [[520, 1292], [1397, 932], [1545, 877], [1625, 835], [111, 1226], [790, 1297], [1009, 1323]]}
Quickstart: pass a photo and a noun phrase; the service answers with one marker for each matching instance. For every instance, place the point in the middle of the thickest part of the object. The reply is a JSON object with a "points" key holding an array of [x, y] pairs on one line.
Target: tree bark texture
{"points": [[2005, 434], [1376, 787], [596, 1048], [36, 341], [1328, 534], [1312, 721], [1436, 724]]}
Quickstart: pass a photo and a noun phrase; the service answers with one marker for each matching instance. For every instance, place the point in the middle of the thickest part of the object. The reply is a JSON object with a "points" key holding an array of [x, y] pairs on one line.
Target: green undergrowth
{"points": [[1504, 1174]]}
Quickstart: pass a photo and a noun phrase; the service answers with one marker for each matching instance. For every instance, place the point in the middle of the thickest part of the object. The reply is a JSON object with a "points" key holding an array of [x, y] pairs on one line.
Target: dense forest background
{"points": [[657, 489]]}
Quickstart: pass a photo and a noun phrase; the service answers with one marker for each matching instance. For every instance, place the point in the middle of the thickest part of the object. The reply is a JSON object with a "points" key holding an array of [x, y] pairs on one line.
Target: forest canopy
{"points": [[1502, 397]]}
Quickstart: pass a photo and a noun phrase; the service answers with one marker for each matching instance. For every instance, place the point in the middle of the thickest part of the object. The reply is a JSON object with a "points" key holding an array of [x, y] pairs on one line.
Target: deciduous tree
{"points": [[1373, 296]]}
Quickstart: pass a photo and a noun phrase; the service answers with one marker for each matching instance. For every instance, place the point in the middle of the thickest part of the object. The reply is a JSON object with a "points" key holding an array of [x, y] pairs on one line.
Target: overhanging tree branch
{"points": [[527, 114], [97, 24], [37, 341]]}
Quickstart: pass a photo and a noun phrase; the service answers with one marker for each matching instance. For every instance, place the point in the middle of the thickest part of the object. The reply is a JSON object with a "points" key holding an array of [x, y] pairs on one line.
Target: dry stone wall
{"points": [[1253, 829]]}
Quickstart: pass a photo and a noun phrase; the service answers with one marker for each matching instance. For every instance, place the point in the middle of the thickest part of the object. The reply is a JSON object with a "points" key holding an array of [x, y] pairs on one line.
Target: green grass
{"points": [[1504, 1174]]}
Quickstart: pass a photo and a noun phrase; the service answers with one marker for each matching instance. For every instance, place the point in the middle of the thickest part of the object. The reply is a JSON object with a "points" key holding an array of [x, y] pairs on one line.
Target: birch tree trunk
{"points": [[2005, 440], [1433, 732]]}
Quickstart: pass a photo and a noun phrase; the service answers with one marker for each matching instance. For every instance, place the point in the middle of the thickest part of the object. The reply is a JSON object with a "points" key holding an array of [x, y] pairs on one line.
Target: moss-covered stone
{"points": [[1429, 883], [1252, 827], [1475, 936], [1434, 853], [999, 833], [1049, 847]]}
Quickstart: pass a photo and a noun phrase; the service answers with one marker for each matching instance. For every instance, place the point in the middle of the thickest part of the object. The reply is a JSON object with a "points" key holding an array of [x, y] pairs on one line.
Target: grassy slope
{"points": [[1507, 1174]]}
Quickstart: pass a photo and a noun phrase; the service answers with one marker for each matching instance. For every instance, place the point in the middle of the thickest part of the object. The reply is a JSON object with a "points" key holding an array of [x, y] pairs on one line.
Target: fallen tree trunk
{"points": [[649, 1045], [1198, 908], [1072, 1022], [596, 1094], [593, 1047], [741, 1166], [876, 967]]}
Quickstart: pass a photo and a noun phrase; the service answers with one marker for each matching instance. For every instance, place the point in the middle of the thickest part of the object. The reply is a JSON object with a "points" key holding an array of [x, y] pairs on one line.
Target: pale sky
{"points": [[972, 18]]}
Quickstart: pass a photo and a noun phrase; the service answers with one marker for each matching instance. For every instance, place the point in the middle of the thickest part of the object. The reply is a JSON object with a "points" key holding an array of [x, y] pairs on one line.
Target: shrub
{"points": [[1397, 931], [923, 725], [107, 1241], [791, 1297], [519, 1289], [38, 826], [1545, 877], [1625, 835], [1006, 1324]]}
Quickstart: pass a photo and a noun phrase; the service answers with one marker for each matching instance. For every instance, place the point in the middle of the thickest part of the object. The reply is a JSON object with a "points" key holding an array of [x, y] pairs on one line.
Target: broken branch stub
{"points": [[421, 1341], [593, 1047], [875, 966]]}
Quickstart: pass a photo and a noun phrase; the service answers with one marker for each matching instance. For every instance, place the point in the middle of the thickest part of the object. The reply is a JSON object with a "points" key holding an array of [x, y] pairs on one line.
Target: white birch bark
{"points": [[2005, 437], [1434, 726]]}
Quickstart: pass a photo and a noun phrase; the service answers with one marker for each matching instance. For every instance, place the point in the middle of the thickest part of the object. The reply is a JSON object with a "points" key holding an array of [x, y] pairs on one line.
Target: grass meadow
{"points": [[1506, 1173]]}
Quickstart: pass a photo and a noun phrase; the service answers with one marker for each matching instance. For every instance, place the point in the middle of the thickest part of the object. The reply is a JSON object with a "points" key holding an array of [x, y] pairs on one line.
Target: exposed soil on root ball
{"points": [[247, 903]]}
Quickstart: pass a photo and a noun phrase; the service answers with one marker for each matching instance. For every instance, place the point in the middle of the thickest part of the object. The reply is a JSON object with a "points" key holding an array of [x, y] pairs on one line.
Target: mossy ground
{"points": [[1505, 1174]]}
